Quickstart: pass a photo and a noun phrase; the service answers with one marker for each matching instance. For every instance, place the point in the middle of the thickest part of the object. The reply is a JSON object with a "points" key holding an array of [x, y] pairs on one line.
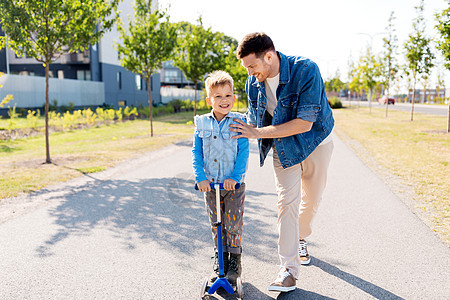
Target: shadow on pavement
{"points": [[301, 294], [252, 292], [150, 208], [166, 210], [369, 288]]}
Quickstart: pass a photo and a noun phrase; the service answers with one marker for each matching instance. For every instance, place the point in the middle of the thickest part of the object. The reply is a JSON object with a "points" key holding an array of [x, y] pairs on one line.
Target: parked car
{"points": [[383, 100]]}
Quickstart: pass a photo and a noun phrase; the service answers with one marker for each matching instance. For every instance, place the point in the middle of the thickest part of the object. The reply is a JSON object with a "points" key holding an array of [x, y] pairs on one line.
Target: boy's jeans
{"points": [[232, 208], [301, 186]]}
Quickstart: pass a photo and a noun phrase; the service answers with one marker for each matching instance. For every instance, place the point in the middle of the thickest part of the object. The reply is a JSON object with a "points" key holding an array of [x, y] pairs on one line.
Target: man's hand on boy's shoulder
{"points": [[247, 130], [204, 186]]}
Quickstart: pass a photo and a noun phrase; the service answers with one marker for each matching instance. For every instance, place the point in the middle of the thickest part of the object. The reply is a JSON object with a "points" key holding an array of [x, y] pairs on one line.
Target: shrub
{"points": [[33, 117], [201, 105], [130, 113], [177, 105], [188, 105], [144, 112], [53, 105], [163, 110], [335, 102], [12, 116], [119, 114]]}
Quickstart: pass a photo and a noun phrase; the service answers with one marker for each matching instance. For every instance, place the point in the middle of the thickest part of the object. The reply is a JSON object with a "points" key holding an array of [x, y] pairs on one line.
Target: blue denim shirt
{"points": [[216, 156], [300, 94]]}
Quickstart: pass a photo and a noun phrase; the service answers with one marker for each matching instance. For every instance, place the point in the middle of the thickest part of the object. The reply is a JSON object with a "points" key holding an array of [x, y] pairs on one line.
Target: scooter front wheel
{"points": [[204, 288]]}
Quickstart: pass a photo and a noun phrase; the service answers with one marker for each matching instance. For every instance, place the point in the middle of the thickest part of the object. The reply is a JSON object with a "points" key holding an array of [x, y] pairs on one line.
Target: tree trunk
{"points": [[150, 104], [370, 100], [413, 98], [358, 99], [47, 144], [349, 98], [387, 101], [195, 98], [448, 123]]}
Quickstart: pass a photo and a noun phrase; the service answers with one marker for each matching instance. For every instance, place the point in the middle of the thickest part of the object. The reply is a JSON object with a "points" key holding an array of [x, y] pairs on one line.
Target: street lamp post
{"points": [[6, 53]]}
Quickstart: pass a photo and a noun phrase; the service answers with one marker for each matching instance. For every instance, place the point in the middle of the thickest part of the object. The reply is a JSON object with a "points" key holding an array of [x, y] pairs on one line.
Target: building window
{"points": [[60, 74], [82, 75], [138, 82], [119, 80], [122, 103], [26, 73], [170, 76]]}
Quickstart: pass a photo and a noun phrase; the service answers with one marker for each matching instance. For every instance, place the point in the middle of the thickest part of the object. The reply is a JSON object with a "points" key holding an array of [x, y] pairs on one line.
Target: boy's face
{"points": [[221, 98]]}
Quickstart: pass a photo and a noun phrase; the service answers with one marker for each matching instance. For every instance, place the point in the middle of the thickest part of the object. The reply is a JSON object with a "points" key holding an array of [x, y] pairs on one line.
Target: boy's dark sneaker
{"points": [[285, 282], [216, 265], [234, 268], [305, 259]]}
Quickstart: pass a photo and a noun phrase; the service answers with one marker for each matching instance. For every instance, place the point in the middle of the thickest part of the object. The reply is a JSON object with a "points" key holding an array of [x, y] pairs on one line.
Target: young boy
{"points": [[218, 158]]}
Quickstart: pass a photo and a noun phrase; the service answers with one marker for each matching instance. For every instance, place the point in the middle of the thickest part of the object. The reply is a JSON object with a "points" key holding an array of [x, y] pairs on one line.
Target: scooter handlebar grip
{"points": [[212, 184]]}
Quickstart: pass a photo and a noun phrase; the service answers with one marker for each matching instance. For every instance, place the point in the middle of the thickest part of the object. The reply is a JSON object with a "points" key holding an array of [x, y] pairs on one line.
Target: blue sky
{"points": [[326, 31]]}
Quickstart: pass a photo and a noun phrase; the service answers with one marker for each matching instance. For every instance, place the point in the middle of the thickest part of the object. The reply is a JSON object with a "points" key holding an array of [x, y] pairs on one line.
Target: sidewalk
{"points": [[139, 231]]}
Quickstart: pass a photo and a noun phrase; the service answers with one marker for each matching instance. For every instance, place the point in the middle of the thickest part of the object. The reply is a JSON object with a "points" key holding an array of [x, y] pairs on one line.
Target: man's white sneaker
{"points": [[305, 259], [285, 282]]}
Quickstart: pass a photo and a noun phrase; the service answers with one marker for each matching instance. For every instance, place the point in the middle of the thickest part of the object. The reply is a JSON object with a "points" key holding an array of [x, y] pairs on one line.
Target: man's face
{"points": [[258, 67]]}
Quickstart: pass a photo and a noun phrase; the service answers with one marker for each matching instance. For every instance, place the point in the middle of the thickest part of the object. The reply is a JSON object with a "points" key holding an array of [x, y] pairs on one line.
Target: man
{"points": [[288, 112]]}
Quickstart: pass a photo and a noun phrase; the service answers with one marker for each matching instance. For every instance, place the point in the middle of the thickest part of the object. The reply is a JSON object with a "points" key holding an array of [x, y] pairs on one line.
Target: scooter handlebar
{"points": [[213, 187]]}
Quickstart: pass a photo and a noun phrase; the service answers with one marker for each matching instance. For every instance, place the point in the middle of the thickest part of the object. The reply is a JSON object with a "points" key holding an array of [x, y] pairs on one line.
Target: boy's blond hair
{"points": [[217, 78]]}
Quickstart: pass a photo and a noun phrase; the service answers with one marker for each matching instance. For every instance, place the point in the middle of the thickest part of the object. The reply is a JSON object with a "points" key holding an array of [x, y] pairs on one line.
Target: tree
{"points": [[389, 66], [418, 52], [149, 41], [45, 30], [350, 75], [443, 28], [335, 84], [237, 72], [368, 71], [354, 84], [199, 51]]}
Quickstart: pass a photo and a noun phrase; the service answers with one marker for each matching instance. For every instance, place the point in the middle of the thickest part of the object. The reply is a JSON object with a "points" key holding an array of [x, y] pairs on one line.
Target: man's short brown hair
{"points": [[217, 78], [258, 43]]}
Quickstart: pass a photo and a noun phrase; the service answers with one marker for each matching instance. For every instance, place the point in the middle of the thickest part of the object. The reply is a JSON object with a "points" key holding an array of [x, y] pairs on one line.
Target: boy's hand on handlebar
{"points": [[204, 186], [229, 184]]}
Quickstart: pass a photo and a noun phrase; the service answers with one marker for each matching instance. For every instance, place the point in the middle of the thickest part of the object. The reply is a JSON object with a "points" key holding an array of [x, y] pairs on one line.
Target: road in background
{"points": [[438, 110]]}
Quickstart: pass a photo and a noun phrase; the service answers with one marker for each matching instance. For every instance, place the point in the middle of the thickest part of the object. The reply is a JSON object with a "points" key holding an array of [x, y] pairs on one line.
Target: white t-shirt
{"points": [[271, 93]]}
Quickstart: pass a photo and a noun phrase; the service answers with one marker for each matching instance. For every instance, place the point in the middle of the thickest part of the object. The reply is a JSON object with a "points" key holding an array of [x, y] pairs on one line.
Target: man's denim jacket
{"points": [[216, 156], [300, 94]]}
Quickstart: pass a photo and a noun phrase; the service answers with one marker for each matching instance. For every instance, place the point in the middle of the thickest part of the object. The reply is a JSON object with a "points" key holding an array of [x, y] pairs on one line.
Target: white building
{"points": [[93, 77]]}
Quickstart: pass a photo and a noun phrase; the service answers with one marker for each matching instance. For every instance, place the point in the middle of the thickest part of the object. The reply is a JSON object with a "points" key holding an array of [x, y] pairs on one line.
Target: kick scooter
{"points": [[221, 280]]}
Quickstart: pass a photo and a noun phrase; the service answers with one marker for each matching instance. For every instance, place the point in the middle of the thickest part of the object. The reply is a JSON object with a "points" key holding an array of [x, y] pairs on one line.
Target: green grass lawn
{"points": [[418, 152], [77, 152]]}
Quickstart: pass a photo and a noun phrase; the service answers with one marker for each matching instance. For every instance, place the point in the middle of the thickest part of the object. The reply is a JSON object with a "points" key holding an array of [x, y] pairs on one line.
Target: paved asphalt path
{"points": [[438, 110], [138, 231]]}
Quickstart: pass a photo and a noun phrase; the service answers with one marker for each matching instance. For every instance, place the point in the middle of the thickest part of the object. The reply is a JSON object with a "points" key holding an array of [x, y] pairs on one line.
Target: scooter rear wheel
{"points": [[239, 288]]}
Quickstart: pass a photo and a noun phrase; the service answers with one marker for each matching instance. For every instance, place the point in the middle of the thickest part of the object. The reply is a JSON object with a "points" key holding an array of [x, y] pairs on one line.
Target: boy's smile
{"points": [[222, 100]]}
